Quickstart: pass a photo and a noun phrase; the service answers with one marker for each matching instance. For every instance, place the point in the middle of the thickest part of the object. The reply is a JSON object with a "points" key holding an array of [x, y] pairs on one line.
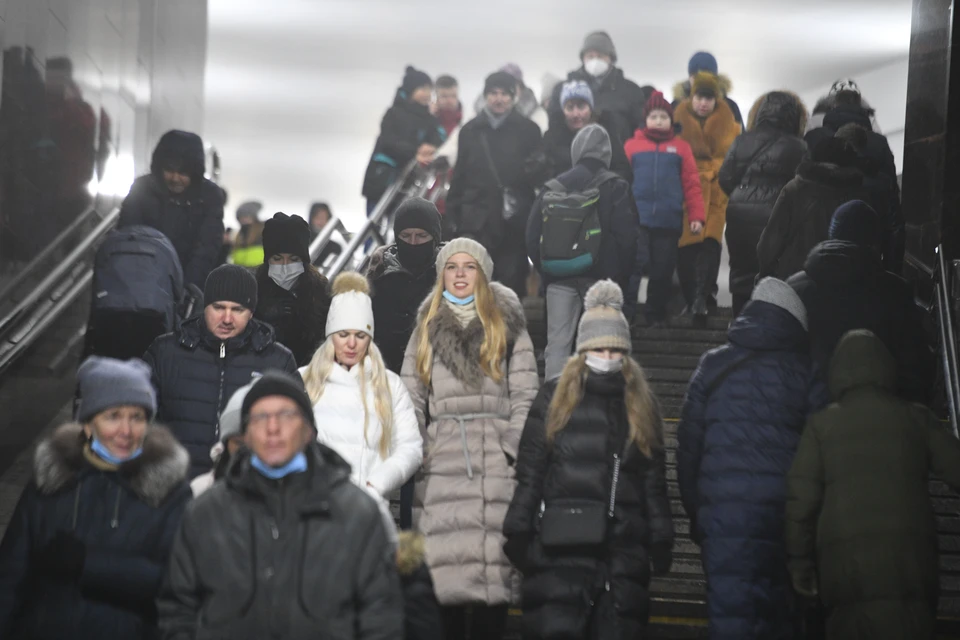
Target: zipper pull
{"points": [[223, 349]]}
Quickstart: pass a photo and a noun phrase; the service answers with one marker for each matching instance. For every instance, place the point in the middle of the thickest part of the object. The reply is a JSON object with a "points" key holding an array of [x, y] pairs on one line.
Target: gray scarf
{"points": [[494, 120]]}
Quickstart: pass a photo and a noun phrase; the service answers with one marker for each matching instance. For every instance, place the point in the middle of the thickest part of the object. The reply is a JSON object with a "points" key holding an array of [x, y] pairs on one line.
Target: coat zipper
{"points": [[656, 171], [116, 511], [223, 373]]}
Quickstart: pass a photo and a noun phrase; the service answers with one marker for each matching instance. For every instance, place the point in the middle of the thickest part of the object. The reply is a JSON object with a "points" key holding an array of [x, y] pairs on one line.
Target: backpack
{"points": [[137, 270], [571, 234]]}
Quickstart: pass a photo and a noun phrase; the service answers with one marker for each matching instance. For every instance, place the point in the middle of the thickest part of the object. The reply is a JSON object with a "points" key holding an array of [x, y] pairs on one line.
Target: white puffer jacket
{"points": [[339, 415]]}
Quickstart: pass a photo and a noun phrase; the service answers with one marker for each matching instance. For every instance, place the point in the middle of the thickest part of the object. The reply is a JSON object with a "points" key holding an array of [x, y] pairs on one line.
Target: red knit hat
{"points": [[657, 103]]}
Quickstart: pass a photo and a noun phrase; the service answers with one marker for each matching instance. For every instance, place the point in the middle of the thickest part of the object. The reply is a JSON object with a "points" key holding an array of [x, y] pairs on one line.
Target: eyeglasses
{"points": [[286, 418]]}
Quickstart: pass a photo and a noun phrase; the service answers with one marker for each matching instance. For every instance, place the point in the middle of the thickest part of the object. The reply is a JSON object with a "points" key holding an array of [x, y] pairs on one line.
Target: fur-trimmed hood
{"points": [[154, 475], [457, 347], [410, 552], [829, 103], [681, 90], [782, 109]]}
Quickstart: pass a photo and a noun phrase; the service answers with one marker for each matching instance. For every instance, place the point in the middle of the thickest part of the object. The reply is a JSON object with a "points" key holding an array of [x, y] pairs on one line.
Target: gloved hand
{"points": [[661, 557], [515, 548], [62, 557], [805, 583]]}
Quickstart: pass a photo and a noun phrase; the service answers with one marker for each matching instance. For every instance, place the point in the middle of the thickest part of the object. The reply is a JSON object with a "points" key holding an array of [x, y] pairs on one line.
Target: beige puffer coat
{"points": [[467, 480]]}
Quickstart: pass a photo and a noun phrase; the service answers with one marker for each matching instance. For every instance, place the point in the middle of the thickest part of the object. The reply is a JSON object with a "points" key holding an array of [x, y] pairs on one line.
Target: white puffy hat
{"points": [[351, 308]]}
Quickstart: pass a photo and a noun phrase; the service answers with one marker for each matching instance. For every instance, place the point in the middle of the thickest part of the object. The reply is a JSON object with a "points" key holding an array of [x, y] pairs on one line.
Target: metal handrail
{"points": [[948, 344]]}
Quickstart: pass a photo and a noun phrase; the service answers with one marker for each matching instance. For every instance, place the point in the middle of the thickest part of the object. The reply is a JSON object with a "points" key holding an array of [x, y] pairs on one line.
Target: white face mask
{"points": [[285, 275], [603, 366], [596, 67]]}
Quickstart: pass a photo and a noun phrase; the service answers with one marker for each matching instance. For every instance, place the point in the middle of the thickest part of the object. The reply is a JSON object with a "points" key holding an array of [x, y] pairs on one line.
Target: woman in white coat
{"points": [[363, 410]]}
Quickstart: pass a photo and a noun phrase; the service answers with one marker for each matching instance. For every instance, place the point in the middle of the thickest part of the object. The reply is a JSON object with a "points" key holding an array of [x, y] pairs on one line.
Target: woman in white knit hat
{"points": [[362, 410], [472, 374]]}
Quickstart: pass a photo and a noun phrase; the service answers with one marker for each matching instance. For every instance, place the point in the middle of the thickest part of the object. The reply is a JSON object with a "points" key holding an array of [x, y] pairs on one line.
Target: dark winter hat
{"points": [[417, 213], [702, 61], [856, 222], [576, 90], [249, 209], [413, 79], [286, 234], [657, 103], [231, 283], [706, 84], [500, 80], [106, 382], [513, 69], [277, 383], [601, 42]]}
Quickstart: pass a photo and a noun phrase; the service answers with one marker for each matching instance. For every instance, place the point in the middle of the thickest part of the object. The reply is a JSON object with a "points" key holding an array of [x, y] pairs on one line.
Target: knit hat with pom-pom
{"points": [[351, 308], [603, 325]]}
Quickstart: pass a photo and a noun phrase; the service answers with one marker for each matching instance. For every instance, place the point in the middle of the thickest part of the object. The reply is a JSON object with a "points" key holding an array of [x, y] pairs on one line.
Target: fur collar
{"points": [[714, 137], [681, 90], [783, 109], [829, 103], [458, 348], [410, 552], [161, 468]]}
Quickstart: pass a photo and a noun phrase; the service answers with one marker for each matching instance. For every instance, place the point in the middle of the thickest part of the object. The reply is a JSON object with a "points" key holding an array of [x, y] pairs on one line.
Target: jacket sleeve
{"points": [[944, 449], [531, 467], [392, 143], [733, 168], [805, 489], [659, 516], [15, 553], [207, 244], [406, 445], [818, 395], [690, 435], [417, 390], [181, 593], [774, 238], [534, 231], [523, 381], [377, 593], [690, 178]]}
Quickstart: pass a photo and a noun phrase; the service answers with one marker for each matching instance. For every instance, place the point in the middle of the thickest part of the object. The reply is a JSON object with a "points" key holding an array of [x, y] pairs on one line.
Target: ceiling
{"points": [[295, 89]]}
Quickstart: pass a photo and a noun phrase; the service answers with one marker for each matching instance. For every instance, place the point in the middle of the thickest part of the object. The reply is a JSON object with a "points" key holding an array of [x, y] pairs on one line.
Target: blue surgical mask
{"points": [[297, 465], [97, 447], [455, 300], [285, 275]]}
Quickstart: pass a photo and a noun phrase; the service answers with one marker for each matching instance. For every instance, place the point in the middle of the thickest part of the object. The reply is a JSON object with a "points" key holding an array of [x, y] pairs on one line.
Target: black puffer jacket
{"points": [[397, 295], [126, 519], [192, 220], [620, 99], [801, 216], [845, 287], [556, 150], [405, 126], [298, 558], [578, 467], [195, 374], [758, 165], [298, 317]]}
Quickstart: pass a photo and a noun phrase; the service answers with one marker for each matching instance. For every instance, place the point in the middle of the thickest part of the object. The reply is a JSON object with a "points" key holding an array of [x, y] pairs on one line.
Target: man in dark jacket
{"points": [[757, 167], [745, 410], [801, 215], [844, 287], [286, 546], [860, 529], [621, 100], [200, 365], [177, 200], [493, 182], [619, 226]]}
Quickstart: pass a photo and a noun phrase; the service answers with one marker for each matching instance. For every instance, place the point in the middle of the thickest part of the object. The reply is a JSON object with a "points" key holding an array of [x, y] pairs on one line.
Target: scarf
{"points": [[450, 119], [658, 135], [464, 313], [494, 120]]}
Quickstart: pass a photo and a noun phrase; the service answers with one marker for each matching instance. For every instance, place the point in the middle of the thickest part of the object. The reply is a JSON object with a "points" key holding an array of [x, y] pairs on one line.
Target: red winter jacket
{"points": [[665, 178]]}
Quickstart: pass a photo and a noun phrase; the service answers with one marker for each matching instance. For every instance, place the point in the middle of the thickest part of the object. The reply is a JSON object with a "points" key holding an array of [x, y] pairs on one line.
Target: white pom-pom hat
{"points": [[603, 325], [351, 308]]}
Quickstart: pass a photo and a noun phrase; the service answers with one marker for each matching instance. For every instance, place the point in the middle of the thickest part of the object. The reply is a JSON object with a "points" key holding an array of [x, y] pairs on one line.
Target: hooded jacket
{"points": [[665, 181], [194, 374], [620, 99], [298, 316], [757, 167], [468, 478], [801, 216], [741, 422], [311, 545], [192, 220], [126, 519], [858, 510]]}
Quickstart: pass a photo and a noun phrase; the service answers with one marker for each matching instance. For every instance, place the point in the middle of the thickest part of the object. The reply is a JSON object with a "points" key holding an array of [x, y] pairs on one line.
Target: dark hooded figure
{"points": [[757, 166], [177, 200]]}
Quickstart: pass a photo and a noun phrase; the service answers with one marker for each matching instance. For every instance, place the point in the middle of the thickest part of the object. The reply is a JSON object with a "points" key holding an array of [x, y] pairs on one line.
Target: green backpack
{"points": [[570, 236]]}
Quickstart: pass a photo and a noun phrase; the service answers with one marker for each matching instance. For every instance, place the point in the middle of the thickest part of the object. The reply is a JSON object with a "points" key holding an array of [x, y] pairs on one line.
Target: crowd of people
{"points": [[229, 476]]}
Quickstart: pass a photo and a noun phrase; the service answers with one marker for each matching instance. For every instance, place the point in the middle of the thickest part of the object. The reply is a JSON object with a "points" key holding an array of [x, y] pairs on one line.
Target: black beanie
{"points": [[277, 383], [413, 79], [500, 80], [231, 283], [286, 234], [417, 213], [856, 222]]}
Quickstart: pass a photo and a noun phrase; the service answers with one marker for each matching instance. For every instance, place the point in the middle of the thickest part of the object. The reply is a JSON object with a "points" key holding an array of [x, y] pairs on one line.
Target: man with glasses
{"points": [[286, 546]]}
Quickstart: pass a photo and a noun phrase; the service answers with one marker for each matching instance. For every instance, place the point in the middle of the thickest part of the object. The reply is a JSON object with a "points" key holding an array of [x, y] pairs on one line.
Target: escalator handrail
{"points": [[948, 343], [53, 279]]}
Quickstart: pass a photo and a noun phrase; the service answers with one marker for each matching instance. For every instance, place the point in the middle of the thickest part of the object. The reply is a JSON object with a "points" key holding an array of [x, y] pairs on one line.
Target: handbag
{"points": [[571, 524], [511, 203]]}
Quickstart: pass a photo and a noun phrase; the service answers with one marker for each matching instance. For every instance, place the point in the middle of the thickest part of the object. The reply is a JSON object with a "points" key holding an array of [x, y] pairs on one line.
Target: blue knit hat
{"points": [[576, 90], [106, 383], [856, 222], [702, 61]]}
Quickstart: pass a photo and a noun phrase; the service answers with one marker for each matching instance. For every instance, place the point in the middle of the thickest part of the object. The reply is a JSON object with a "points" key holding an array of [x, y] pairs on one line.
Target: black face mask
{"points": [[415, 256]]}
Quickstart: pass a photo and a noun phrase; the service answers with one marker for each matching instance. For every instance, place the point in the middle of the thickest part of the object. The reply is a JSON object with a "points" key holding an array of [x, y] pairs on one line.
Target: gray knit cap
{"points": [[592, 141], [601, 42], [603, 325], [472, 248], [779, 293], [106, 383]]}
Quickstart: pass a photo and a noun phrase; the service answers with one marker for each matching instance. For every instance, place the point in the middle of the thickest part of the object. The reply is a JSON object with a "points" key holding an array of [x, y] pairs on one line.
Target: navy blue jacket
{"points": [[735, 447]]}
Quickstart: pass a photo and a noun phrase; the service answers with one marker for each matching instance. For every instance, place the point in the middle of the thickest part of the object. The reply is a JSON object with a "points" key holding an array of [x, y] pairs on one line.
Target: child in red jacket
{"points": [[665, 179]]}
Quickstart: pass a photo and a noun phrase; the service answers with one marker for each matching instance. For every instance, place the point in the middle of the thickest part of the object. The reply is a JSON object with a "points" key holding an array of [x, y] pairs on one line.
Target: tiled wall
{"points": [[88, 88]]}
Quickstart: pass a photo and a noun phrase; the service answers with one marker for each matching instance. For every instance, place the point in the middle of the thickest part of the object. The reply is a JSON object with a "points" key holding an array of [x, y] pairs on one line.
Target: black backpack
{"points": [[571, 234]]}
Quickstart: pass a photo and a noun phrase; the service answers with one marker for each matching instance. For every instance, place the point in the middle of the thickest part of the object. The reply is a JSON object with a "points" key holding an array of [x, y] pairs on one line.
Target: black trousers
{"points": [[698, 266], [510, 263], [657, 256], [476, 622]]}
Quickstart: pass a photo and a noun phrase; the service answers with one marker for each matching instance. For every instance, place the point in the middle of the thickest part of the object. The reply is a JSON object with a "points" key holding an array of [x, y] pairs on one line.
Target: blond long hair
{"points": [[641, 405], [321, 366], [494, 346]]}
